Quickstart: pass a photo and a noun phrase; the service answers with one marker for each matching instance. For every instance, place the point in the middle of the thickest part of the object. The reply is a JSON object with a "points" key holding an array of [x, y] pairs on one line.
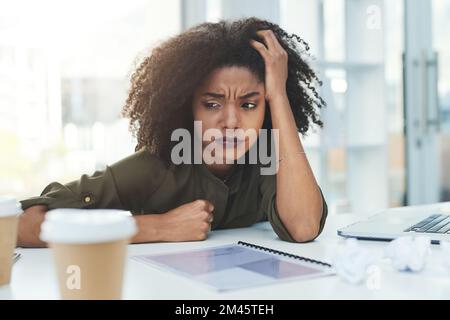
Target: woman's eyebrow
{"points": [[214, 95], [249, 95], [221, 96]]}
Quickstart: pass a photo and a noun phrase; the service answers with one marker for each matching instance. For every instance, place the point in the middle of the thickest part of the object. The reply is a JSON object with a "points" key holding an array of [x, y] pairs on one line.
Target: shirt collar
{"points": [[233, 181]]}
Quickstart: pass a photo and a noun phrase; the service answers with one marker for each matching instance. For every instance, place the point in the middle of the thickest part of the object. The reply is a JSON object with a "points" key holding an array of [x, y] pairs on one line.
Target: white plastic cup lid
{"points": [[82, 226], [9, 206]]}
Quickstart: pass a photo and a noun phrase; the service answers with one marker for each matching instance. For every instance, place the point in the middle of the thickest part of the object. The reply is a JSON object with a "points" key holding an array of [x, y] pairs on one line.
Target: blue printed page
{"points": [[233, 266]]}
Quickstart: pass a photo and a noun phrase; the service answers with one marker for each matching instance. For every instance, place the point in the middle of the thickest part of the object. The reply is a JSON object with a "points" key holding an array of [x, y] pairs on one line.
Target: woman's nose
{"points": [[231, 117]]}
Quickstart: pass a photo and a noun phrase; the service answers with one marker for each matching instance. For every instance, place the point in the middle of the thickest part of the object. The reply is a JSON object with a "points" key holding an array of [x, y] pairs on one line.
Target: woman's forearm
{"points": [[149, 228], [298, 200], [188, 222], [30, 227]]}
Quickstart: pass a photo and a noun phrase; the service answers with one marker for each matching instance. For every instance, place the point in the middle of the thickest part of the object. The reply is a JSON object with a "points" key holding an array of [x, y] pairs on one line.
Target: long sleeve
{"points": [[90, 191], [268, 189], [126, 185]]}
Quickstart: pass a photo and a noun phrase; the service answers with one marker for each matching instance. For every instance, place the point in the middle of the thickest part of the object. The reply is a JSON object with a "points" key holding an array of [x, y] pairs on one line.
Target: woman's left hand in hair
{"points": [[276, 63]]}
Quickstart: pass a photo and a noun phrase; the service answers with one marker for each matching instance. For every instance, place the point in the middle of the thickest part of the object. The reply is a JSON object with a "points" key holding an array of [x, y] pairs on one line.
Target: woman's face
{"points": [[231, 100]]}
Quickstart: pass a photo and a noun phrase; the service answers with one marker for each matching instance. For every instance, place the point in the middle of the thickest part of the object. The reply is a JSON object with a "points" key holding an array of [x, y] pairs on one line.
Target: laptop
{"points": [[431, 221]]}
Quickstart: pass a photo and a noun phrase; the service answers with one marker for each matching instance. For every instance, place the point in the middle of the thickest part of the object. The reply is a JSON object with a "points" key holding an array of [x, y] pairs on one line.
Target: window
{"points": [[358, 157], [64, 76], [65, 68]]}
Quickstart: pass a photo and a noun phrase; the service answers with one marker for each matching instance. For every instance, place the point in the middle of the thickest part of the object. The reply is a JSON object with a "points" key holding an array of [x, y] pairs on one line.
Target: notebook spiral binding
{"points": [[290, 255]]}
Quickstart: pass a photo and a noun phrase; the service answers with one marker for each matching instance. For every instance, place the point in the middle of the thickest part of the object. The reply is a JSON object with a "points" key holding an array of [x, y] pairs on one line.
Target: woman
{"points": [[248, 74]]}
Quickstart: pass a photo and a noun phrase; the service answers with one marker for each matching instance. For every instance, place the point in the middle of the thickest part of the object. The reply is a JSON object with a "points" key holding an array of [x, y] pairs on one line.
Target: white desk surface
{"points": [[34, 277]]}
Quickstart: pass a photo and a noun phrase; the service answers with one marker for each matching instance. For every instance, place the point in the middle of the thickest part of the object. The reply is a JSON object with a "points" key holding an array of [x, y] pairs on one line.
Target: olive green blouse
{"points": [[144, 184]]}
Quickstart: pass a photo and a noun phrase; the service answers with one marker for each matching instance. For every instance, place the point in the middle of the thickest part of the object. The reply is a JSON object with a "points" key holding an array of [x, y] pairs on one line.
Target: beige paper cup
{"points": [[90, 249], [9, 218]]}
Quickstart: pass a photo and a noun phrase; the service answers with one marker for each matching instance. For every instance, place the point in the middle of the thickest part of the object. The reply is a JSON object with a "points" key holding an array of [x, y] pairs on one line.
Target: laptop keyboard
{"points": [[436, 223]]}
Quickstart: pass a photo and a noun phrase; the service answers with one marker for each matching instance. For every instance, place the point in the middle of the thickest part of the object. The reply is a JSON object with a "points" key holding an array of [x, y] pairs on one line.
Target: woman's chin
{"points": [[230, 154]]}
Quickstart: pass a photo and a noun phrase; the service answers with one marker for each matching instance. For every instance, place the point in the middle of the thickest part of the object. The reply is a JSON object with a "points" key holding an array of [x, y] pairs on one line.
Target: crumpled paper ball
{"points": [[409, 253], [352, 262]]}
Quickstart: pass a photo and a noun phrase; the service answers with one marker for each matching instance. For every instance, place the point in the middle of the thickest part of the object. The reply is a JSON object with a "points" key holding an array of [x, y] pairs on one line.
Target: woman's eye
{"points": [[249, 105], [212, 105]]}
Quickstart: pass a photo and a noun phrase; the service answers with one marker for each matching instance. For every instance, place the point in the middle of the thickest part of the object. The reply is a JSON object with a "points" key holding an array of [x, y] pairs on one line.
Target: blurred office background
{"points": [[385, 64]]}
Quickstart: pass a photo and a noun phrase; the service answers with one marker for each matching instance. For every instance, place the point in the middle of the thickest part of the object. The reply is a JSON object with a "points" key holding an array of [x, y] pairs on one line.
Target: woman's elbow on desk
{"points": [[302, 227], [304, 234]]}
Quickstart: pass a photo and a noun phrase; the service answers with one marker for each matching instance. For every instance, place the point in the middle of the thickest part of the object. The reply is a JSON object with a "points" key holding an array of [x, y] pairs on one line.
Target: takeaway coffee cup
{"points": [[89, 248], [9, 217]]}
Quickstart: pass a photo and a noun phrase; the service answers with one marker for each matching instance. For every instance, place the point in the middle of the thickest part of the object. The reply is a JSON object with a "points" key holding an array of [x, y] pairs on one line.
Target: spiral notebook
{"points": [[238, 266]]}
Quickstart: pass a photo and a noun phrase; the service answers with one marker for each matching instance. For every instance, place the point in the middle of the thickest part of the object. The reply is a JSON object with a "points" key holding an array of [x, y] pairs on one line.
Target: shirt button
{"points": [[87, 199]]}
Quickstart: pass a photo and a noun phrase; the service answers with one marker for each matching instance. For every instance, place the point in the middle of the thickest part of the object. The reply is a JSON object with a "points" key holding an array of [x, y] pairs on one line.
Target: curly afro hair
{"points": [[163, 85]]}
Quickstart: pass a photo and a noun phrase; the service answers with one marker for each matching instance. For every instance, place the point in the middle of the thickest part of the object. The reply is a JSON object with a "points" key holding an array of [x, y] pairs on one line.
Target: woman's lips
{"points": [[229, 142]]}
